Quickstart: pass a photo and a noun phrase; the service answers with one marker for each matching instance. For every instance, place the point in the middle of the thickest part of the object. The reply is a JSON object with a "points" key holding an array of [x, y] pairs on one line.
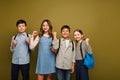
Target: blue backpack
{"points": [[88, 60]]}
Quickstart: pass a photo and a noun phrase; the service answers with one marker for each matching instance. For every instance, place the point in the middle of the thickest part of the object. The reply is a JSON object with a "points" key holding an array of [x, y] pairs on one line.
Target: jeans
{"points": [[63, 74], [81, 71], [24, 70]]}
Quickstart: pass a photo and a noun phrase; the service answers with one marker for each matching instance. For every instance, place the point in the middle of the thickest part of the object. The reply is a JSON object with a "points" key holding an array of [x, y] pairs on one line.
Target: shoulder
{"points": [[84, 43], [73, 43], [14, 36], [29, 35]]}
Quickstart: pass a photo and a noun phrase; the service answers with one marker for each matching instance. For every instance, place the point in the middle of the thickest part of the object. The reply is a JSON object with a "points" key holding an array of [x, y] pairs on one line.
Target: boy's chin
{"points": [[65, 37], [21, 31]]}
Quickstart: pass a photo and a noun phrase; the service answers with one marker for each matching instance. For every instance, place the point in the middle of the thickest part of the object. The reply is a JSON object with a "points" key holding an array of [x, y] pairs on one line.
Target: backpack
{"points": [[88, 60], [28, 44], [55, 51]]}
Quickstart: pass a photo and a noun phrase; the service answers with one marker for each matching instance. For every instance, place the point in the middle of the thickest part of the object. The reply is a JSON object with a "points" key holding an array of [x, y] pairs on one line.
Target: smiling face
{"points": [[65, 33], [45, 27], [21, 27], [78, 36]]}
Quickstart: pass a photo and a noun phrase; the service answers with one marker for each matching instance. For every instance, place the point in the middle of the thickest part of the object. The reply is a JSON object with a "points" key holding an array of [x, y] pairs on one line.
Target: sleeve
{"points": [[88, 48], [34, 42], [55, 44], [12, 49], [73, 53], [29, 35]]}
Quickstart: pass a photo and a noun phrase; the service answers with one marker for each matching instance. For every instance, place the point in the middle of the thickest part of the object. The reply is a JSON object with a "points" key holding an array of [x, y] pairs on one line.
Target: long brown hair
{"points": [[50, 27]]}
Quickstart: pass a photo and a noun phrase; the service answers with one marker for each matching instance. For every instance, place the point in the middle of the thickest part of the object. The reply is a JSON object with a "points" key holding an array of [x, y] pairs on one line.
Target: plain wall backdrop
{"points": [[99, 20]]}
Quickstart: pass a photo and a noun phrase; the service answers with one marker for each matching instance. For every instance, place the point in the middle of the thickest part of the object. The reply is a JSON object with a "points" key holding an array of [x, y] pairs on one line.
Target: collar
{"points": [[24, 34], [64, 39]]}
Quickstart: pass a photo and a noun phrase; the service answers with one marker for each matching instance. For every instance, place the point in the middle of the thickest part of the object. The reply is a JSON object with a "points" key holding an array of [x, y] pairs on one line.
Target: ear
{"points": [[82, 36]]}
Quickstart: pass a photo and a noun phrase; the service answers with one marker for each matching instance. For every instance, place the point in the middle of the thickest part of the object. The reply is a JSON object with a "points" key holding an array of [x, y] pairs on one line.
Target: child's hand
{"points": [[14, 43], [27, 40], [87, 41], [35, 33], [54, 34], [72, 69]]}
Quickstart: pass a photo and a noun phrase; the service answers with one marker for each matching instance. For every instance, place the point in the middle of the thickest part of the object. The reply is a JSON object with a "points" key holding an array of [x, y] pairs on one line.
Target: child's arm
{"points": [[73, 53], [34, 42], [55, 42], [27, 39], [13, 44], [73, 61], [54, 36], [73, 67], [87, 46]]}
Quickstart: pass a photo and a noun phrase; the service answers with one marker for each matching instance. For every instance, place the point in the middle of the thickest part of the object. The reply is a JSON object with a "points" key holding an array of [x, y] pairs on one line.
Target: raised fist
{"points": [[54, 34], [87, 41], [14, 43], [35, 33]]}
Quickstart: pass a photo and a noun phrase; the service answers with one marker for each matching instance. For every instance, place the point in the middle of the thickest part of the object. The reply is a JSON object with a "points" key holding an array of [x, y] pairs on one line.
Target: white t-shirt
{"points": [[67, 43]]}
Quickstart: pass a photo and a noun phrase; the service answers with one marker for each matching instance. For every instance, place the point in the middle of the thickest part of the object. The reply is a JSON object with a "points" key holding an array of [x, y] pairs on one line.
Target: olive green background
{"points": [[99, 19]]}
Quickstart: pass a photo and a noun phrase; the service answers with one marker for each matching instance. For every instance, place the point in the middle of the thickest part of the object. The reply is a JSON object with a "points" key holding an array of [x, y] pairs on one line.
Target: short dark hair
{"points": [[65, 27], [21, 21]]}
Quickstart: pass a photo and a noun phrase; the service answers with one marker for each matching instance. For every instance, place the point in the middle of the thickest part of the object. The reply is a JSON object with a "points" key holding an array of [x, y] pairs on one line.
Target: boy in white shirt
{"points": [[65, 58]]}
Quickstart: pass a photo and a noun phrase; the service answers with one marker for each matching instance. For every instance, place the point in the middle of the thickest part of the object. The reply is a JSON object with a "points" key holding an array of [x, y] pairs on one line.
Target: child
{"points": [[46, 59], [81, 70], [20, 49], [65, 58]]}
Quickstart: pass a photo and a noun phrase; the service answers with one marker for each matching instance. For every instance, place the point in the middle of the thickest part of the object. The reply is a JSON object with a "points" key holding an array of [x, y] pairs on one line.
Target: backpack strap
{"points": [[59, 45], [72, 46], [28, 45], [27, 35], [81, 50], [15, 36]]}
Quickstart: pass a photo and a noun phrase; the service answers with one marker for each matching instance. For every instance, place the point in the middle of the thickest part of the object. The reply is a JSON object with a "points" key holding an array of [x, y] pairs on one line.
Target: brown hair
{"points": [[50, 27], [80, 31]]}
